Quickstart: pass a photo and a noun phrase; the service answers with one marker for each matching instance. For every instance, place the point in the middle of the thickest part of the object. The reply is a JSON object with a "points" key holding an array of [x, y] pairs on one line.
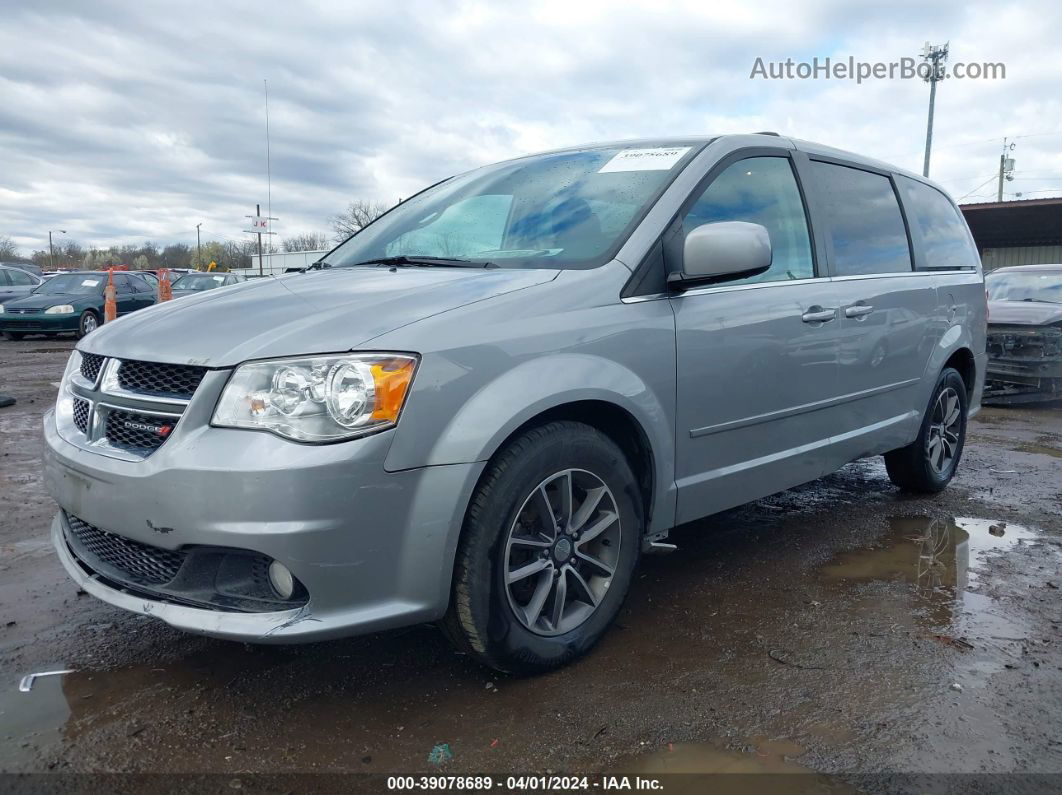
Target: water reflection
{"points": [[939, 556]]}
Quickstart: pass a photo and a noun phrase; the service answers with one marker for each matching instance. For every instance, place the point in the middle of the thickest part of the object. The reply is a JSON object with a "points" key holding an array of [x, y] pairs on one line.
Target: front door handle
{"points": [[858, 310], [816, 314]]}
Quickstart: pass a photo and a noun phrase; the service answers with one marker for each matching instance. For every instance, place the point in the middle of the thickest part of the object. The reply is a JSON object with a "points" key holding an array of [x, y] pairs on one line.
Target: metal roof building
{"points": [[1021, 232]]}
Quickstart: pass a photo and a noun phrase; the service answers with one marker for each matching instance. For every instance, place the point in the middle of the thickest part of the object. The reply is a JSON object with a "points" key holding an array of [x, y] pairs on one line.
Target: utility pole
{"points": [[51, 249], [1006, 168], [935, 56], [198, 246]]}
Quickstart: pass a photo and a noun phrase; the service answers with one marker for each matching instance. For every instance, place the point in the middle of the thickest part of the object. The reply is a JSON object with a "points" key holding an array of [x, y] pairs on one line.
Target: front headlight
{"points": [[61, 309], [318, 398]]}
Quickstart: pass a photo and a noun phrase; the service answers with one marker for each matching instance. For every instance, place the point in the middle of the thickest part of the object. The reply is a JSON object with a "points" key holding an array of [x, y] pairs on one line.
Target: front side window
{"points": [[945, 239], [760, 190], [863, 221], [568, 209]]}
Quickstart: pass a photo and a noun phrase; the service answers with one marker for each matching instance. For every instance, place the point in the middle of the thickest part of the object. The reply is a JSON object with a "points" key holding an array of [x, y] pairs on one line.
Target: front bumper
{"points": [[373, 549], [38, 323]]}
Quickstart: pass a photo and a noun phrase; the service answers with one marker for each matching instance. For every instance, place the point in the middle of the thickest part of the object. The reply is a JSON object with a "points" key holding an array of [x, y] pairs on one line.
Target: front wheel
{"points": [[548, 549], [928, 464], [89, 322]]}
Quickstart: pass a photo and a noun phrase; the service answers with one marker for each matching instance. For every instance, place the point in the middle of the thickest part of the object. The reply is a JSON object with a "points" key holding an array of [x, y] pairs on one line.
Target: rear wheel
{"points": [[89, 322], [928, 464], [549, 545]]}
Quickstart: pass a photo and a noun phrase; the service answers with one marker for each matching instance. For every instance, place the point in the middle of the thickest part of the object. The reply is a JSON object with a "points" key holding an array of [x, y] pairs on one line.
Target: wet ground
{"points": [[838, 628]]}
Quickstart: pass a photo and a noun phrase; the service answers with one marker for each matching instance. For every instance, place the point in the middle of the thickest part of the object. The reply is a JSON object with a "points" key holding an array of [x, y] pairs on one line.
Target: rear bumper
{"points": [[373, 549]]}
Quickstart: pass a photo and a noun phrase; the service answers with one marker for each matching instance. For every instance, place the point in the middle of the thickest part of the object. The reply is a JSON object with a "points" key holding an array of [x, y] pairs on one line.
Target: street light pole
{"points": [[198, 247], [934, 56], [51, 249]]}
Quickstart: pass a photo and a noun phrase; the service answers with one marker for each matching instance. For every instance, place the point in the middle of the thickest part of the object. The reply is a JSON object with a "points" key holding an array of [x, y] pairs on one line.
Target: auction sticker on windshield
{"points": [[659, 159], [90, 282]]}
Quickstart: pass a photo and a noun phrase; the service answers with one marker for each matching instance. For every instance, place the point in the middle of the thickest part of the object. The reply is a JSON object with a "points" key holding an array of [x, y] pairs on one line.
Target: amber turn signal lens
{"points": [[391, 381]]}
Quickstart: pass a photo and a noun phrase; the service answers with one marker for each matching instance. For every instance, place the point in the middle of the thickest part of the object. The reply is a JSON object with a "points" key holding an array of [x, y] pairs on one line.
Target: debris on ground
{"points": [[997, 529], [440, 754], [26, 684], [959, 643], [956, 687], [785, 657]]}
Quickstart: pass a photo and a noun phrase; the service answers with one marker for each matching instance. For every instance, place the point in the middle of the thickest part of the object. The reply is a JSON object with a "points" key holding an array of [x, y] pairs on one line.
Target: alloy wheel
{"points": [[561, 552], [942, 441]]}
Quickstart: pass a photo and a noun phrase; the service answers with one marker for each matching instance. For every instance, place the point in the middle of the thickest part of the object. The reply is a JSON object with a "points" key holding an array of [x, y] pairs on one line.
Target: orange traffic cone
{"points": [[110, 305], [165, 288]]}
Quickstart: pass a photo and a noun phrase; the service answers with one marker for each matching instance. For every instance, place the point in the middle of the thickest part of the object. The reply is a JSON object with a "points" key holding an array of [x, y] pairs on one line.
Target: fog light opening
{"points": [[281, 579]]}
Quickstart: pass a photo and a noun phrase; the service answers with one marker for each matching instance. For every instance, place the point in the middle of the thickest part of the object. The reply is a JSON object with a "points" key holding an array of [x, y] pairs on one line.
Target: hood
{"points": [[1024, 313], [305, 313], [39, 301]]}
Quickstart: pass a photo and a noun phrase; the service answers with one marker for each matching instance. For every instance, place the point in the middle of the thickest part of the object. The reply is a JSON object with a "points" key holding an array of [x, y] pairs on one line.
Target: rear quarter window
{"points": [[862, 220], [946, 242]]}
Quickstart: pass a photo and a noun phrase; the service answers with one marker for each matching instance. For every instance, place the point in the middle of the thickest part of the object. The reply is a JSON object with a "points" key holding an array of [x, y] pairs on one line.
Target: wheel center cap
{"points": [[562, 550]]}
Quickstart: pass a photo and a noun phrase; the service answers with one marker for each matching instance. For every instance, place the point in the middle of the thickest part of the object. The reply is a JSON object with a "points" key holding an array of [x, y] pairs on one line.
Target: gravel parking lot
{"points": [[839, 628]]}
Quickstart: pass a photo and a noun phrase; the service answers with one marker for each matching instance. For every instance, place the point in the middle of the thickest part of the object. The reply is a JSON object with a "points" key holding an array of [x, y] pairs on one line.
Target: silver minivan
{"points": [[492, 400]]}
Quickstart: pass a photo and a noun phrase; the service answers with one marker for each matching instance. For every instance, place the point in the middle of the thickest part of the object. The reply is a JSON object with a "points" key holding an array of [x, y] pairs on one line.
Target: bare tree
{"points": [[359, 213], [8, 250], [310, 241]]}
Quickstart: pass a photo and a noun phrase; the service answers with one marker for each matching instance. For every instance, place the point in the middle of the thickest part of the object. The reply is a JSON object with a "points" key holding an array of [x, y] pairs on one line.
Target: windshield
{"points": [[1029, 286], [73, 283], [198, 281], [569, 209]]}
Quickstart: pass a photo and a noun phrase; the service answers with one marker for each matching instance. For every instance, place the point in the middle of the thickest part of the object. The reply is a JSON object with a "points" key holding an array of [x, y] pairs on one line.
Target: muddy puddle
{"points": [[770, 762]]}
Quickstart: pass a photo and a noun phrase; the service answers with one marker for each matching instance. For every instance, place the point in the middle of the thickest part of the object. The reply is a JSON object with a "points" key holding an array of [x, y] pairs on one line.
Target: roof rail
{"points": [[767, 132]]}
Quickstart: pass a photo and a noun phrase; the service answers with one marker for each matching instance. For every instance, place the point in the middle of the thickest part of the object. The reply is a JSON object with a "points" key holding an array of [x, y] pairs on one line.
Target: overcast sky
{"points": [[133, 121]]}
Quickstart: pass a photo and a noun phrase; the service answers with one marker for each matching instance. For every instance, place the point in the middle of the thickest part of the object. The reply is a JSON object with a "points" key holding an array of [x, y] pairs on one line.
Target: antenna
{"points": [[269, 171]]}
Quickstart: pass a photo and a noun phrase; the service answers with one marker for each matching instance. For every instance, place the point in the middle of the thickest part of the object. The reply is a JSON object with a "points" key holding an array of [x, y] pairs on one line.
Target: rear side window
{"points": [[863, 221], [4, 278], [21, 278], [945, 240], [760, 190]]}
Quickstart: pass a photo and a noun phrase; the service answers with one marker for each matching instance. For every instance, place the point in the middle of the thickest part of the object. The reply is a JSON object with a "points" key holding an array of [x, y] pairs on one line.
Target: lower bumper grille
{"points": [[215, 578], [138, 563]]}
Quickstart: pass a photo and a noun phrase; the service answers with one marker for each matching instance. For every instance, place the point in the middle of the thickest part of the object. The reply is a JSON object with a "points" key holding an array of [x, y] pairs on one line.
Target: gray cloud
{"points": [[133, 121]]}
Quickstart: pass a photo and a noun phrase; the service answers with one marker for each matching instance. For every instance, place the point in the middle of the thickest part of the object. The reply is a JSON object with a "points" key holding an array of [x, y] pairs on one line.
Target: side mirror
{"points": [[728, 249]]}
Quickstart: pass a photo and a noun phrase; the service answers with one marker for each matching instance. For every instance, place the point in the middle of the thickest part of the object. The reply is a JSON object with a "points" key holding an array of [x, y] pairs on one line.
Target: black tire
{"points": [[88, 318], [911, 467], [481, 619], [14, 336]]}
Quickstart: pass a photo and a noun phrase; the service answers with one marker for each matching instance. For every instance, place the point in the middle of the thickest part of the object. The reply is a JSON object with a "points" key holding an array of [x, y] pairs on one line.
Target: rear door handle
{"points": [[816, 314], [858, 310]]}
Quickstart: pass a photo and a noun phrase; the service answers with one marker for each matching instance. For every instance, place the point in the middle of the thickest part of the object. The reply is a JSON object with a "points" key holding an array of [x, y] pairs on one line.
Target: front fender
{"points": [[497, 408]]}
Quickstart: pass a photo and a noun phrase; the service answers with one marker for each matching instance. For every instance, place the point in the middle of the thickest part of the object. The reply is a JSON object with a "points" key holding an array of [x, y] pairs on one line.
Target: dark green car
{"points": [[72, 302]]}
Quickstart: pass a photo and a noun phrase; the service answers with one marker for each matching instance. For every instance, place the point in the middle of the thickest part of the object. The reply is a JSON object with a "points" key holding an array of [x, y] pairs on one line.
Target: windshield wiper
{"points": [[424, 261]]}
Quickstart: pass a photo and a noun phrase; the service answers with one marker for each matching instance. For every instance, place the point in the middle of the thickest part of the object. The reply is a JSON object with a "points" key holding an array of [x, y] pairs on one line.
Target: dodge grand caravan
{"points": [[489, 402]]}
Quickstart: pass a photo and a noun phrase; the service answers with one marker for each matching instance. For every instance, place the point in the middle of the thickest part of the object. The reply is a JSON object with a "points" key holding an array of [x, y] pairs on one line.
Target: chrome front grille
{"points": [[81, 414], [91, 364], [124, 408], [152, 378], [133, 431]]}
